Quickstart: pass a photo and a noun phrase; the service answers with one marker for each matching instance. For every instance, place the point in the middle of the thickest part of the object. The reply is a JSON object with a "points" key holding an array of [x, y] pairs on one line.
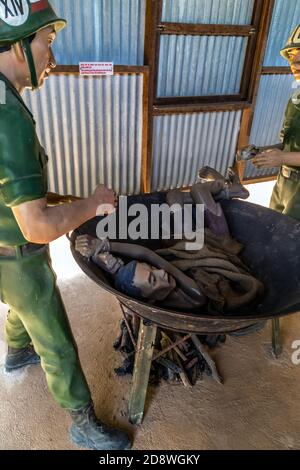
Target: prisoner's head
{"points": [[142, 281]]}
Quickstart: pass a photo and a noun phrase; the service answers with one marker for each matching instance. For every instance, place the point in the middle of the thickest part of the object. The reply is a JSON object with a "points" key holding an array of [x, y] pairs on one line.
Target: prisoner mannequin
{"points": [[157, 279], [28, 286], [150, 278]]}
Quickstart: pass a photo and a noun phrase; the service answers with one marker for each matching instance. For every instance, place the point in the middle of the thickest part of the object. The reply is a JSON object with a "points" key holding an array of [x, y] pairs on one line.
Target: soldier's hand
{"points": [[269, 159], [105, 199]]}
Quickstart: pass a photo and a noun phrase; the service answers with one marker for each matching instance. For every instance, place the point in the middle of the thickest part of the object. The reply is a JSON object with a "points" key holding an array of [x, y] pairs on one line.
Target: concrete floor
{"points": [[257, 408]]}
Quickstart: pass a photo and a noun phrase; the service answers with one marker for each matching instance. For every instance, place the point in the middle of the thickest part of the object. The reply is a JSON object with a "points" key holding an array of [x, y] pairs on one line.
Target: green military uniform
{"points": [[27, 281], [286, 194]]}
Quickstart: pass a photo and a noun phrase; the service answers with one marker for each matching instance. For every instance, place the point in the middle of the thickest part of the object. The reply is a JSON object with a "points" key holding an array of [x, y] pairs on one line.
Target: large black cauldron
{"points": [[272, 251]]}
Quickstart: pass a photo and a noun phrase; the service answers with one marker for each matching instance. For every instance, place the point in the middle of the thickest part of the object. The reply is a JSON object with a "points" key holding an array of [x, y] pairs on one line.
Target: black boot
{"points": [[87, 431], [18, 358]]}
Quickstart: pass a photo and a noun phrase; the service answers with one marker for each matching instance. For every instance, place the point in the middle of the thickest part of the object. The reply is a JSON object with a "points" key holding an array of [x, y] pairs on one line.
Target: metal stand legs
{"points": [[276, 338]]}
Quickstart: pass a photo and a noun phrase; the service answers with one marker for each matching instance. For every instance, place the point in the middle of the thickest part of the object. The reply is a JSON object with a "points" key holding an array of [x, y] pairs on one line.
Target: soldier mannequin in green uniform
{"points": [[286, 194], [27, 224]]}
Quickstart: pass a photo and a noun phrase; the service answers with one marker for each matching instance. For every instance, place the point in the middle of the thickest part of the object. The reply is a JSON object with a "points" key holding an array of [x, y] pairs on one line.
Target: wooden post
{"points": [[141, 373]]}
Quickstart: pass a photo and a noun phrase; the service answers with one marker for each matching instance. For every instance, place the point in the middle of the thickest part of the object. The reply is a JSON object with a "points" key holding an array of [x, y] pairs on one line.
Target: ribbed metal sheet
{"points": [[274, 93], [286, 17], [251, 172], [92, 130], [200, 65], [184, 143], [208, 11], [101, 30]]}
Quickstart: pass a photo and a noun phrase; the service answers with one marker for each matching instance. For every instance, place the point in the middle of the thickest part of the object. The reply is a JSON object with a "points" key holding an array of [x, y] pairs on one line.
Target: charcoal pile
{"points": [[176, 357]]}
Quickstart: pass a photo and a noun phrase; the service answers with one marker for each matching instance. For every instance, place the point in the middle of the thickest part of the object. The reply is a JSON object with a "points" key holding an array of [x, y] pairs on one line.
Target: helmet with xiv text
{"points": [[293, 42]]}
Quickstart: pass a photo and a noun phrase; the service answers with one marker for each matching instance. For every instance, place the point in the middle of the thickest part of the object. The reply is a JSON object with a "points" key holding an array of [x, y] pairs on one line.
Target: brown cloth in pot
{"points": [[220, 274]]}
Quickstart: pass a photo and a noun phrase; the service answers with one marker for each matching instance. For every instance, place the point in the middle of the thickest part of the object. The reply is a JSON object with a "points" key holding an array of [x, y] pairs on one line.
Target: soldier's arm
{"points": [[40, 223], [276, 158], [54, 199]]}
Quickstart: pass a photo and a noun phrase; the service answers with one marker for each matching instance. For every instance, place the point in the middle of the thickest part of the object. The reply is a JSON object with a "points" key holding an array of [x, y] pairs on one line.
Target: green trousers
{"points": [[286, 197], [37, 314]]}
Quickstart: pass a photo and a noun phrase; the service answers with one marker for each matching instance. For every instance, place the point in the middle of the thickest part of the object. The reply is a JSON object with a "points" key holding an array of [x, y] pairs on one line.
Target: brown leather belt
{"points": [[14, 251]]}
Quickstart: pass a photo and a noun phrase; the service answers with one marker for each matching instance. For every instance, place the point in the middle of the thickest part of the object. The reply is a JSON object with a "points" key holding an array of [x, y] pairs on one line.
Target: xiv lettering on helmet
{"points": [[14, 12]]}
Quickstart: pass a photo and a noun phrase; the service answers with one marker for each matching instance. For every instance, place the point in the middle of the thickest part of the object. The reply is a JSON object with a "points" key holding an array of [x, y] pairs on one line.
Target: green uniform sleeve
{"points": [[21, 169]]}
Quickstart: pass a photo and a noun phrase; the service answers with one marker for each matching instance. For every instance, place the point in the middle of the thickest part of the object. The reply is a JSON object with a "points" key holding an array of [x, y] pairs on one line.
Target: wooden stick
{"points": [[203, 351], [172, 346]]}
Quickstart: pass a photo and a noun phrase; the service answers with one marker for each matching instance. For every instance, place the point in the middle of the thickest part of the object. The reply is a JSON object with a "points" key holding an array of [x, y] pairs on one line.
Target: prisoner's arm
{"points": [[42, 224]]}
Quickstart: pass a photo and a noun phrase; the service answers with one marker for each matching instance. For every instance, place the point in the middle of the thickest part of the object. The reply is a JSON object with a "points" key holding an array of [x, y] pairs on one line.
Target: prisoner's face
{"points": [[294, 59], [153, 283]]}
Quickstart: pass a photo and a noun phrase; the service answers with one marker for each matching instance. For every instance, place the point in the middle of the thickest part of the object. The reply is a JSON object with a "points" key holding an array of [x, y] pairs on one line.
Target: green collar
{"points": [[15, 93]]}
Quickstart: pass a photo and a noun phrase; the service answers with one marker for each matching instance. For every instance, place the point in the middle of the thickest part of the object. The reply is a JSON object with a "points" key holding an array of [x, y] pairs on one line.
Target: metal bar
{"points": [[276, 338], [205, 29], [142, 365], [172, 346]]}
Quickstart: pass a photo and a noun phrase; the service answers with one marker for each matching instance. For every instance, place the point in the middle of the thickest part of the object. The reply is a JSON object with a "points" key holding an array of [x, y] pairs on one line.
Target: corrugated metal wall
{"points": [[274, 90], [92, 127], [208, 11], [285, 18], [273, 96], [101, 30], [92, 130], [186, 142], [190, 65]]}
